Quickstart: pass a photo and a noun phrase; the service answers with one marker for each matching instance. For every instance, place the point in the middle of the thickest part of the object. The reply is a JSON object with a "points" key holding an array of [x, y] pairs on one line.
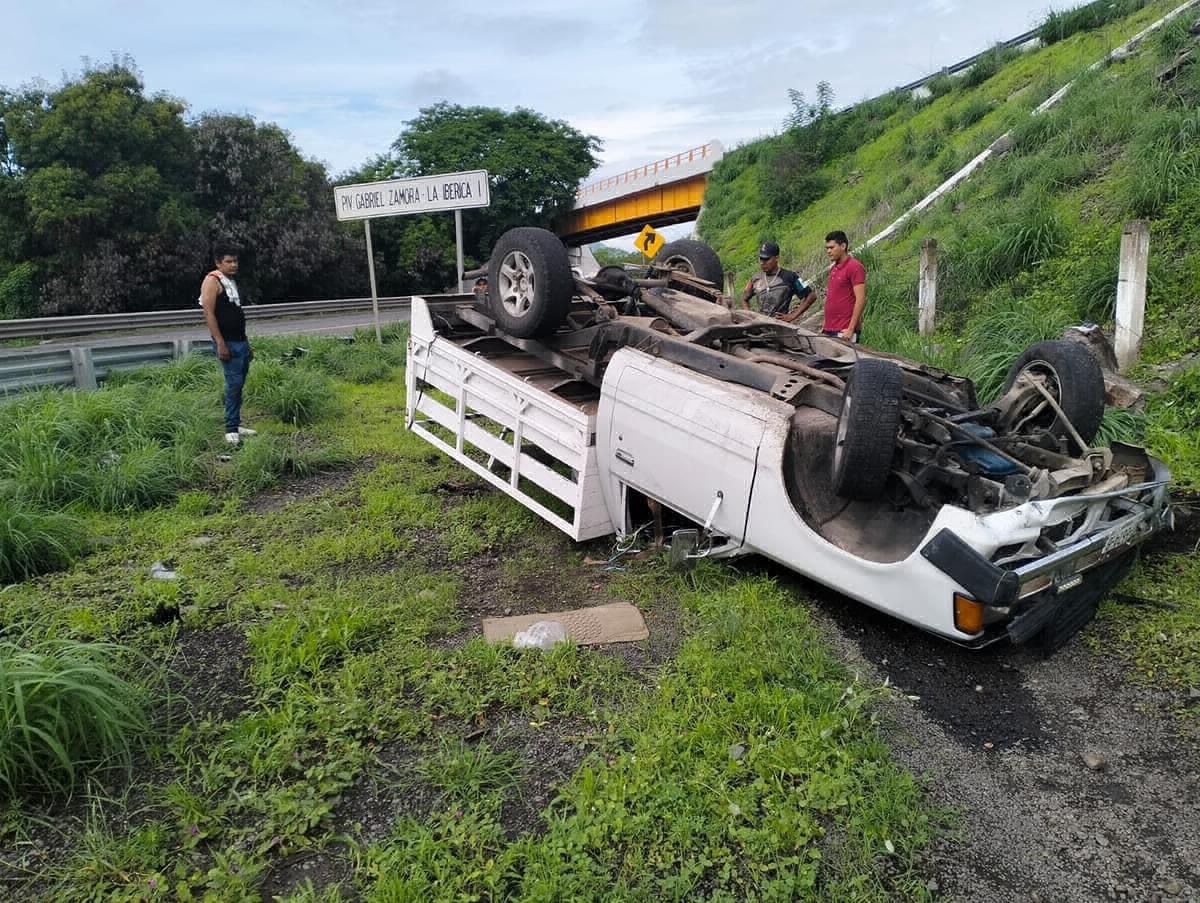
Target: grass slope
{"points": [[1029, 244]]}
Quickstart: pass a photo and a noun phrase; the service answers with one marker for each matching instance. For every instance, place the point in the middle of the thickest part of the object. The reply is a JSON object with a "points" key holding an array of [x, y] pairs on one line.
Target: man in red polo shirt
{"points": [[846, 295]]}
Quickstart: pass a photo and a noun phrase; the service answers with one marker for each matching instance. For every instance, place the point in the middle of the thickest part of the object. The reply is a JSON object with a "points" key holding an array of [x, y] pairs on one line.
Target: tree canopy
{"points": [[110, 197]]}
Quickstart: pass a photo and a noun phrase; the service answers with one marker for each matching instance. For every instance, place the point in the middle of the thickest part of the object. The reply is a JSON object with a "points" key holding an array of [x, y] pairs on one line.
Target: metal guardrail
{"points": [[81, 367], [92, 323], [649, 169], [972, 60]]}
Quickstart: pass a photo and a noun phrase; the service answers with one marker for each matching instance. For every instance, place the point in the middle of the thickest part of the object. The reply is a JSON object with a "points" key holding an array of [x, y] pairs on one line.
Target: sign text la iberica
{"points": [[424, 194]]}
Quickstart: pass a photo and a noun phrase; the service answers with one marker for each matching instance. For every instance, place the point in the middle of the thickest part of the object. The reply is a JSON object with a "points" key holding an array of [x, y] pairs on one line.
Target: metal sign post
{"points": [[398, 197], [458, 248], [374, 293]]}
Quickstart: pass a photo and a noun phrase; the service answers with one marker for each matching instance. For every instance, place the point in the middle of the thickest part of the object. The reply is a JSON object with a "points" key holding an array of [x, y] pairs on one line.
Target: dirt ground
{"points": [[1071, 782]]}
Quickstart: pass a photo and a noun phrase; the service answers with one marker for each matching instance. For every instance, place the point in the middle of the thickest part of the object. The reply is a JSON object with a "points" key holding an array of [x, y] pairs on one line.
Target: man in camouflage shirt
{"points": [[774, 286]]}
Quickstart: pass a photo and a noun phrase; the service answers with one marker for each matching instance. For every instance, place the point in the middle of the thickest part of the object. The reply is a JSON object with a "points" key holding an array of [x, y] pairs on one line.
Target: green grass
{"points": [[154, 432], [347, 604], [64, 710], [1161, 636], [33, 542]]}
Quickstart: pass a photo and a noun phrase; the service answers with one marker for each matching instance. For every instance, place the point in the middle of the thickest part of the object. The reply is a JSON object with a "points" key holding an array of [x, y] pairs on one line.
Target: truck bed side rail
{"points": [[532, 445]]}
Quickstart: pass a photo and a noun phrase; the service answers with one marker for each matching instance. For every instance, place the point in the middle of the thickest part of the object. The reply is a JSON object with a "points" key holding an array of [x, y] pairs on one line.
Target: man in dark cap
{"points": [[774, 286]]}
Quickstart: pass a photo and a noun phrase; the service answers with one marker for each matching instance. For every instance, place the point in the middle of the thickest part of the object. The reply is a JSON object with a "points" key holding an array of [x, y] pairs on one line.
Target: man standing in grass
{"points": [[846, 295], [227, 325]]}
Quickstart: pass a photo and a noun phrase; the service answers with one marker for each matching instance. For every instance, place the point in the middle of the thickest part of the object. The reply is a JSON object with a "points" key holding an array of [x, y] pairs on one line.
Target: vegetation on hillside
{"points": [[1029, 244]]}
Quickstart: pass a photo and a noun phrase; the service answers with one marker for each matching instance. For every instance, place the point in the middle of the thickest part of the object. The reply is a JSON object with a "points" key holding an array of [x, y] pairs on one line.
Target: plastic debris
{"points": [[160, 571], [540, 635]]}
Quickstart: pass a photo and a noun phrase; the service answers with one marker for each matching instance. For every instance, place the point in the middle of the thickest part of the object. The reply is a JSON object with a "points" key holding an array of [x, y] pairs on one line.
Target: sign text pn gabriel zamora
{"points": [[424, 194]]}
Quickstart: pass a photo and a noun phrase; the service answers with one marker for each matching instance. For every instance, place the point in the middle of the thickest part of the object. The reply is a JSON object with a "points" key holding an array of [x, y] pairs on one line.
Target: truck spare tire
{"points": [[530, 285], [693, 257], [865, 441], [1073, 377]]}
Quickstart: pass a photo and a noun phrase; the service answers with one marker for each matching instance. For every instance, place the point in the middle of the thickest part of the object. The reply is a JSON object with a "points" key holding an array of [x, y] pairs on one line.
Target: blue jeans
{"points": [[235, 369]]}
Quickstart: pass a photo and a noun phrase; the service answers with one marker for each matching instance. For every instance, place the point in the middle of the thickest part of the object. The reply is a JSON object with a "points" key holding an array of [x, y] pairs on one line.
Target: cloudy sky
{"points": [[649, 78]]}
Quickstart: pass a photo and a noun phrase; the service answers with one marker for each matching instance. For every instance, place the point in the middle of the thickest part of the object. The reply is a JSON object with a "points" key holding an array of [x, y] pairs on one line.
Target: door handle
{"points": [[624, 457]]}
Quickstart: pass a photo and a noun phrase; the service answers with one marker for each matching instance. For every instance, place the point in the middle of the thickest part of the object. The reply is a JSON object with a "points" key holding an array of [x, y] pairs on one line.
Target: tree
{"points": [[253, 186], [95, 205], [535, 164]]}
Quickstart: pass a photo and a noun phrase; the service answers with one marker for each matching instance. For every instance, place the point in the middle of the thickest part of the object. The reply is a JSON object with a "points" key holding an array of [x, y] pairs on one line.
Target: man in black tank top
{"points": [[222, 303]]}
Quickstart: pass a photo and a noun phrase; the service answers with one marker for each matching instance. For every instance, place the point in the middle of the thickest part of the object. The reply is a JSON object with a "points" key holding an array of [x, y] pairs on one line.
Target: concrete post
{"points": [[82, 367], [1131, 291], [927, 298]]}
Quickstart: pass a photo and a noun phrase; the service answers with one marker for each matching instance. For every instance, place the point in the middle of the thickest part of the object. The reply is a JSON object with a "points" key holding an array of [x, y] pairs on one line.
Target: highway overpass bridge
{"points": [[661, 193]]}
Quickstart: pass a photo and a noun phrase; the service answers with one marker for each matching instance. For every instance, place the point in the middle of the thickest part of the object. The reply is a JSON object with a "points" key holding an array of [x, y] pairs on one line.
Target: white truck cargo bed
{"points": [[496, 414]]}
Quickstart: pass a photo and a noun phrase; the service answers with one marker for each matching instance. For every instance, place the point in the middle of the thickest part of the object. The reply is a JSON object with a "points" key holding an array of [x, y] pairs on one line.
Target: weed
{"points": [[262, 459], [468, 774], [33, 542], [1060, 25], [63, 710], [295, 395]]}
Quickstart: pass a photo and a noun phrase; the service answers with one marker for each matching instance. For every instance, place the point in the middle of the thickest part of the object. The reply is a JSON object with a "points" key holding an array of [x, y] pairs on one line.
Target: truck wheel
{"points": [[1074, 379], [530, 285], [865, 442], [693, 257]]}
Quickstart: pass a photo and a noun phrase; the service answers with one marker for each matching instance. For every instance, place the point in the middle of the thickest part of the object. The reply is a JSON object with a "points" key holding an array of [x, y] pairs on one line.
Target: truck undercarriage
{"points": [[888, 461]]}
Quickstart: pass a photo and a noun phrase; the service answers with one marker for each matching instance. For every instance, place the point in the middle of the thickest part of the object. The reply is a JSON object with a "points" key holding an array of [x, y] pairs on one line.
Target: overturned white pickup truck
{"points": [[620, 404]]}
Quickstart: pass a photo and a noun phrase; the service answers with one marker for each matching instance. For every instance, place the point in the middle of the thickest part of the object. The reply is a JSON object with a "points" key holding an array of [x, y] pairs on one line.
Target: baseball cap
{"points": [[768, 249]]}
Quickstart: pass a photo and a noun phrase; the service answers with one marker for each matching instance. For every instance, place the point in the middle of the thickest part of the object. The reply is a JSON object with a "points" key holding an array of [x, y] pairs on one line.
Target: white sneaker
{"points": [[246, 431], [233, 438]]}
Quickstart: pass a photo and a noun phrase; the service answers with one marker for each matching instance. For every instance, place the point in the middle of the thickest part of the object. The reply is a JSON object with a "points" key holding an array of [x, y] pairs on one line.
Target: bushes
{"points": [[296, 395], [63, 709], [1058, 26], [33, 541]]}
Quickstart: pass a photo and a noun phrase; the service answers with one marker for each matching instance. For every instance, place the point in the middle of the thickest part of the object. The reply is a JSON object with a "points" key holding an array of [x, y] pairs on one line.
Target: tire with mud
{"points": [[693, 257], [865, 442], [1073, 377], [530, 285]]}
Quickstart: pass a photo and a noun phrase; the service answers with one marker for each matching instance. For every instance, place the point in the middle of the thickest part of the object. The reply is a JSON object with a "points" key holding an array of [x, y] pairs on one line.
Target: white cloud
{"points": [[649, 79]]}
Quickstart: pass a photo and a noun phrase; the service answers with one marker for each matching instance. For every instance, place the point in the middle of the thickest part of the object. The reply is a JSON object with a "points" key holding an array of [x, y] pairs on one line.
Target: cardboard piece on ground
{"points": [[616, 623]]}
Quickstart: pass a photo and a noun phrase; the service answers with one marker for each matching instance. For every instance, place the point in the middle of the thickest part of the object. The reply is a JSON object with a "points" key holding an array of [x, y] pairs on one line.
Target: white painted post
{"points": [[927, 297], [1131, 291], [374, 293]]}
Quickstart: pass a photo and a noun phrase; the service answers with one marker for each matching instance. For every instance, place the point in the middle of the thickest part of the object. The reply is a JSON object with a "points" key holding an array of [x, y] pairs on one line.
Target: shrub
{"points": [[1058, 26], [34, 542], [263, 459], [63, 709], [296, 395]]}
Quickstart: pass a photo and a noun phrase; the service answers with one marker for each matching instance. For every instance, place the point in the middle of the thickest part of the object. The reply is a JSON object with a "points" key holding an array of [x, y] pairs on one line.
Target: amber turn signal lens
{"points": [[968, 614]]}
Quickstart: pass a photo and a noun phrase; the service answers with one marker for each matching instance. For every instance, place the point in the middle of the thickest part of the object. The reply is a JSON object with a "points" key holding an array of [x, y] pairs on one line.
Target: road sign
{"points": [[397, 197], [424, 194], [649, 242]]}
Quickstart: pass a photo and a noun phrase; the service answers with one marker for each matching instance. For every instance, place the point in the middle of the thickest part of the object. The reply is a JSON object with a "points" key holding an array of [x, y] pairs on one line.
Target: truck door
{"points": [[682, 439]]}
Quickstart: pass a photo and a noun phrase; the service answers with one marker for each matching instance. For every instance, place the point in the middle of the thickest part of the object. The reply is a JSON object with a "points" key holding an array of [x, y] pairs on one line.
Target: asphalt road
{"points": [[331, 324]]}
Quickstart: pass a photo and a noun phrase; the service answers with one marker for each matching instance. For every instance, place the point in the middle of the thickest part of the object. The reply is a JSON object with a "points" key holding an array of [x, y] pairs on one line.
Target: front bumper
{"points": [[1023, 600]]}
